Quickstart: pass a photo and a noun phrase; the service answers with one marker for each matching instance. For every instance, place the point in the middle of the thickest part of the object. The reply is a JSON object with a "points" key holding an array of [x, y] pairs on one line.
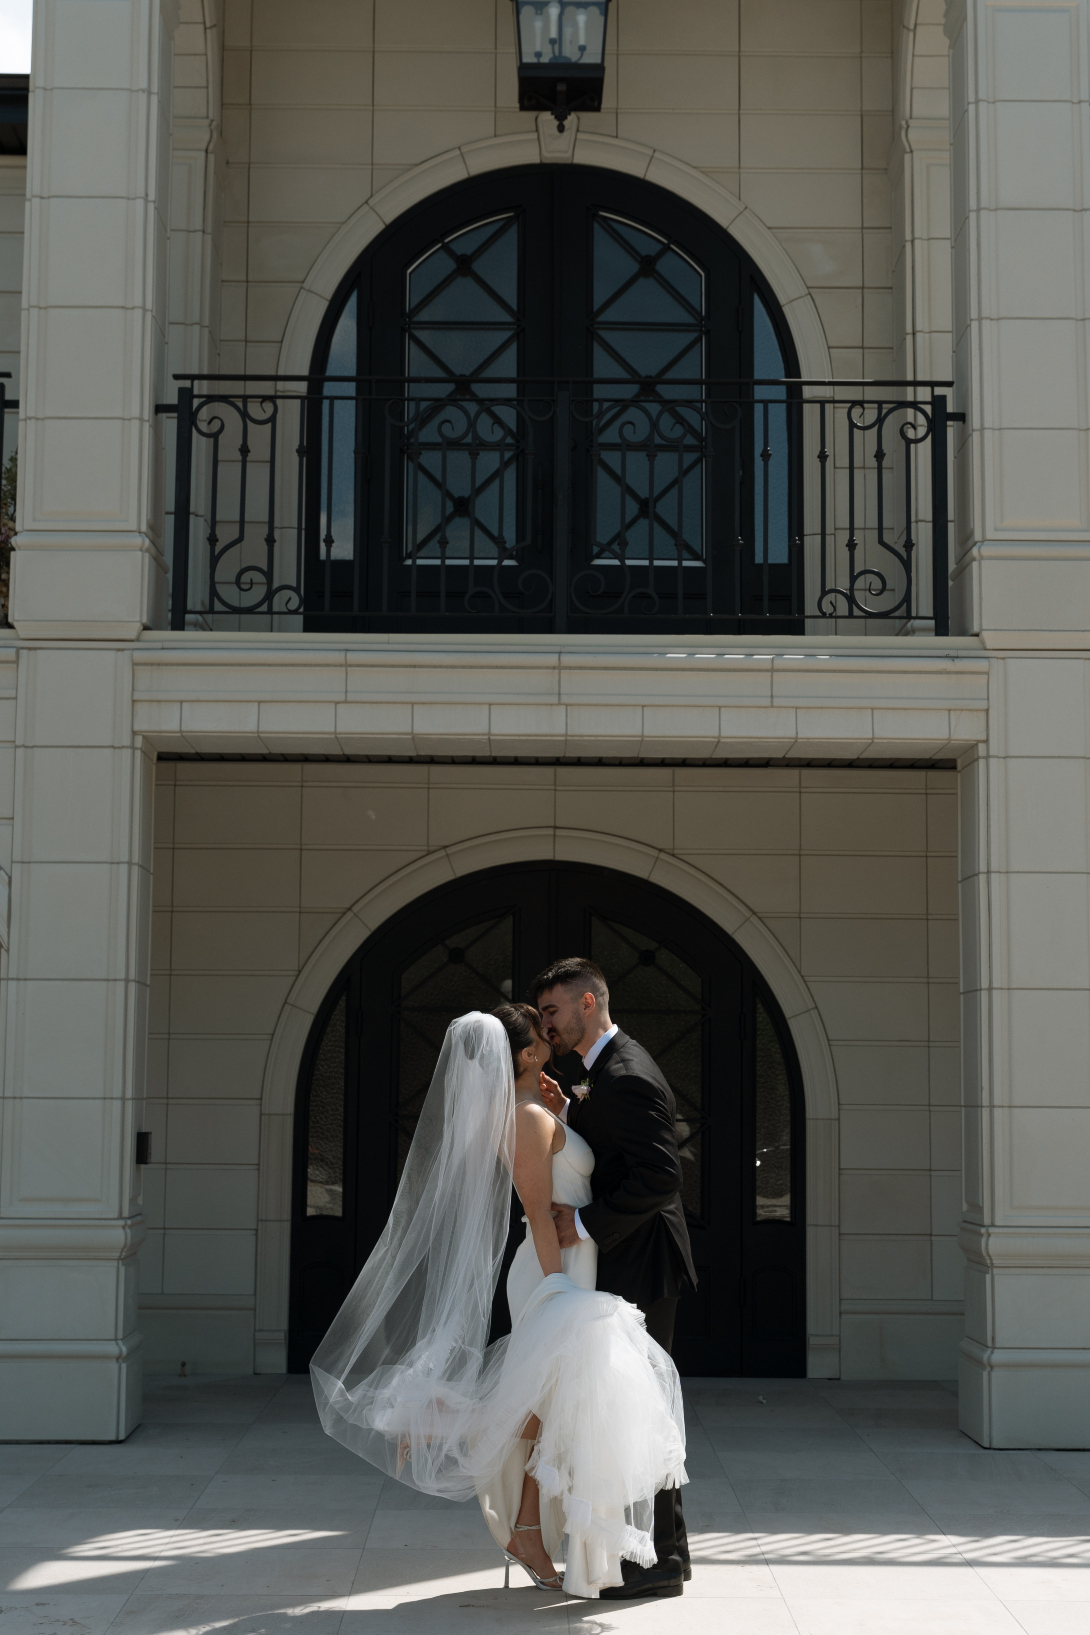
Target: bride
{"points": [[571, 1423]]}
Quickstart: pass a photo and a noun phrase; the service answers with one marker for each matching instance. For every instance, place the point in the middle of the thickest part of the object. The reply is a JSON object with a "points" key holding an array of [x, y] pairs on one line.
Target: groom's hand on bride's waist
{"points": [[564, 1216]]}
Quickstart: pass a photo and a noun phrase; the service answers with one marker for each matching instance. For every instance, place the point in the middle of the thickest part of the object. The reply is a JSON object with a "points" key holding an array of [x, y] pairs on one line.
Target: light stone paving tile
{"points": [[154, 1614], [701, 1460], [394, 1574], [15, 1484], [29, 1567], [98, 1491], [481, 1612], [146, 1459], [188, 1433], [731, 1580], [887, 1504], [37, 1613], [864, 1617], [333, 1460], [709, 1504], [807, 1539], [970, 1463], [699, 1616], [1051, 1617], [1037, 1584], [29, 1458], [456, 1527], [287, 1435], [298, 1493], [298, 1570], [238, 1414], [914, 1439], [793, 1413], [839, 1462], [868, 1581], [1013, 1498], [1002, 1537], [207, 1529], [1075, 1466], [732, 1439], [110, 1529]]}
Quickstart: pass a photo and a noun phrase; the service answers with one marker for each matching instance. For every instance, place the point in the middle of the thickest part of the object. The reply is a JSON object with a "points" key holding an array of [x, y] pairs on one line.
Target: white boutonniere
{"points": [[582, 1089]]}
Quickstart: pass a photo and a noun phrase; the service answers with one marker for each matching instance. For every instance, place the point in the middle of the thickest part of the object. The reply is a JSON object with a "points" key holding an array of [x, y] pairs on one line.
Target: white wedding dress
{"points": [[405, 1376], [572, 1169]]}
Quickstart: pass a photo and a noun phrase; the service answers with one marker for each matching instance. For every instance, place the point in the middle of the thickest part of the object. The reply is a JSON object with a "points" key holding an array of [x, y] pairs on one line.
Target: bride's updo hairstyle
{"points": [[522, 1024]]}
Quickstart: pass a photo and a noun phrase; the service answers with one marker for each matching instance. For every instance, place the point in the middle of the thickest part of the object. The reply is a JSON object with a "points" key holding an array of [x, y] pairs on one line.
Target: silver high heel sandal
{"points": [[556, 1582]]}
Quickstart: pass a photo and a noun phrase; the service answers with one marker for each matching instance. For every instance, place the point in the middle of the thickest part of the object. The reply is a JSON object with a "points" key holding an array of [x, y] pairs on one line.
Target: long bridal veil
{"points": [[405, 1376], [402, 1372]]}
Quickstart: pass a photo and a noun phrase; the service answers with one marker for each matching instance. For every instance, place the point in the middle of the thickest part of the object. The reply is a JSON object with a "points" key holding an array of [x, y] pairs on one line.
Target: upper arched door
{"points": [[546, 414], [678, 984]]}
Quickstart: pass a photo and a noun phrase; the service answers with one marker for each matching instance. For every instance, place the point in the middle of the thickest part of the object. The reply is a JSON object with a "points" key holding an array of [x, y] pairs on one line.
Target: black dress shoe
{"points": [[687, 1573], [643, 1585]]}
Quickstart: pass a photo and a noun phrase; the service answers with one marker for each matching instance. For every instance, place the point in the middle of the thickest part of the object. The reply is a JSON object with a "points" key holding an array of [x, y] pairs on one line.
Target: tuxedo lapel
{"points": [[606, 1054]]}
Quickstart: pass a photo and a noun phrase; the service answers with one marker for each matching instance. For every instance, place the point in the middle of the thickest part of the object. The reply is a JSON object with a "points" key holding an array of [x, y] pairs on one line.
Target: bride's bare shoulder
{"points": [[535, 1123]]}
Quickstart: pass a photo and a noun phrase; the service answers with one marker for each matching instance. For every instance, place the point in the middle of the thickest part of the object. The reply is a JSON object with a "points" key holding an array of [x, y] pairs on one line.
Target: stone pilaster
{"points": [[75, 1026], [89, 556], [1020, 133]]}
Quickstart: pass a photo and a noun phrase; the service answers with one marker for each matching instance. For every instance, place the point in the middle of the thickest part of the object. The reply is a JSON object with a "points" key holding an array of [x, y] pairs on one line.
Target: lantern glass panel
{"points": [[561, 31]]}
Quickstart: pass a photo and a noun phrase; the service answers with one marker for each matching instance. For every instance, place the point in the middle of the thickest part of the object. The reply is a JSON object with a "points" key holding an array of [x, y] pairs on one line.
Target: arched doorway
{"points": [[541, 401], [678, 983]]}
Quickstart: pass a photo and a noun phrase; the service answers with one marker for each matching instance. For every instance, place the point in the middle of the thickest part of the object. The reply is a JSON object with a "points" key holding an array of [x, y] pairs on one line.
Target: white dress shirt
{"points": [[589, 1060]]}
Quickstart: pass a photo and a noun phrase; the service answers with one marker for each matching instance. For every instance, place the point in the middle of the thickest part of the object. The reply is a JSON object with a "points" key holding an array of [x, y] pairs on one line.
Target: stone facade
{"points": [[910, 181], [853, 873]]}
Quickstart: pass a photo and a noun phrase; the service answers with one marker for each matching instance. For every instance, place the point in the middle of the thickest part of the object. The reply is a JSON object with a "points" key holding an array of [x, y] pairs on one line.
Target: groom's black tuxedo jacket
{"points": [[636, 1217]]}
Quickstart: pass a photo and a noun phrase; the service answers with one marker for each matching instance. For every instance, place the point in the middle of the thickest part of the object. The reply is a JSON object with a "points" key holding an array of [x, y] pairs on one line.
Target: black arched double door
{"points": [[551, 397], [677, 983]]}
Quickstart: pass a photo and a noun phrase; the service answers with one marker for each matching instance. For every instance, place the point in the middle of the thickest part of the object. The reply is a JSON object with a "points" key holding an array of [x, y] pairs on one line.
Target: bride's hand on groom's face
{"points": [[552, 1095]]}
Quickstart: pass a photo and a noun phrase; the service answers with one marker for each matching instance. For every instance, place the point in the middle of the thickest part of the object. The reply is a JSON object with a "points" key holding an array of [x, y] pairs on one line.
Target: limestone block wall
{"points": [[12, 210], [787, 103], [853, 871]]}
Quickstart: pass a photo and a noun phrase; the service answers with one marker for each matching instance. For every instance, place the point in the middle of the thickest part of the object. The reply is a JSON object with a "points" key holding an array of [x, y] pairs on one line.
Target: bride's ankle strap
{"points": [[527, 1527]]}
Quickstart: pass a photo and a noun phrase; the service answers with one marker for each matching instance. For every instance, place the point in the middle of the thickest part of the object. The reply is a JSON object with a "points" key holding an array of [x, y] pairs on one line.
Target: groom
{"points": [[636, 1218]]}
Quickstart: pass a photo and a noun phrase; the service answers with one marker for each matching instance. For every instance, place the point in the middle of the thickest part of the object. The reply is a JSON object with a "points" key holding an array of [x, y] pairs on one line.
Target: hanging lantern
{"points": [[561, 48]]}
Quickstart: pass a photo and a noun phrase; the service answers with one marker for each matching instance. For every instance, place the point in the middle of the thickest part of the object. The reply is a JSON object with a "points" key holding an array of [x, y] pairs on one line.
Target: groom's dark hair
{"points": [[572, 973]]}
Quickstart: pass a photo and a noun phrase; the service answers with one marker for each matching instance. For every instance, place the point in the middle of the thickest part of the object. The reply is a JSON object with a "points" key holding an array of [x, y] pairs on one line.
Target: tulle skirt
{"points": [[612, 1430]]}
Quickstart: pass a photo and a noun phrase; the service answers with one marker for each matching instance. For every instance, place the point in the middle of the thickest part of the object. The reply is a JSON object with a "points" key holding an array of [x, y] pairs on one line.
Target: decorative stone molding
{"points": [[538, 845], [556, 147], [589, 148]]}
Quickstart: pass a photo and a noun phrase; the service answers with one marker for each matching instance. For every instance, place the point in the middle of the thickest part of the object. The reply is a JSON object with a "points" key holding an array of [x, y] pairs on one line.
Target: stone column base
{"points": [[1015, 1398], [70, 1390]]}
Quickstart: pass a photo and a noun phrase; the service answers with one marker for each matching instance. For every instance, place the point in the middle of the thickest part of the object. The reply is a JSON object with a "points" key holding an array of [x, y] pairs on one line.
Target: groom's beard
{"points": [[562, 1045]]}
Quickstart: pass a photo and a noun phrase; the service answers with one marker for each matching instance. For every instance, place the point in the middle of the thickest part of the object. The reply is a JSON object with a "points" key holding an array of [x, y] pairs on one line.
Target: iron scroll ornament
{"points": [[630, 441], [425, 438], [838, 601], [249, 576]]}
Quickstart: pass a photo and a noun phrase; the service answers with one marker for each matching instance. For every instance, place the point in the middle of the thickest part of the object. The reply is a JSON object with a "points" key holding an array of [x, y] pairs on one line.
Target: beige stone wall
{"points": [[853, 871], [785, 102], [12, 212]]}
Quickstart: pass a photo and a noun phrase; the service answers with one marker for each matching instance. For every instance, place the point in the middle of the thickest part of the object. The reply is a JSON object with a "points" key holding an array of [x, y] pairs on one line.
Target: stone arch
{"points": [[549, 845], [605, 152]]}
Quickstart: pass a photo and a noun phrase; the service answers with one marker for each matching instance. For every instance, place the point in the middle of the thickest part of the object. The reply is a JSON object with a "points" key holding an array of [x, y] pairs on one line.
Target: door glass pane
{"points": [[770, 433], [657, 998], [648, 332], [338, 476], [325, 1120], [772, 1124], [462, 329], [468, 970]]}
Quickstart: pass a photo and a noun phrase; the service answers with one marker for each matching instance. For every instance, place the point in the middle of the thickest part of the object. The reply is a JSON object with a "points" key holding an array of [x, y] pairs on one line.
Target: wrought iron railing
{"points": [[349, 504]]}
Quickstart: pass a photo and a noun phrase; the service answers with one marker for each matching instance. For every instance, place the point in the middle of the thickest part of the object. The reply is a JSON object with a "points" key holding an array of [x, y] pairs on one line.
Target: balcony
{"points": [[344, 504]]}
